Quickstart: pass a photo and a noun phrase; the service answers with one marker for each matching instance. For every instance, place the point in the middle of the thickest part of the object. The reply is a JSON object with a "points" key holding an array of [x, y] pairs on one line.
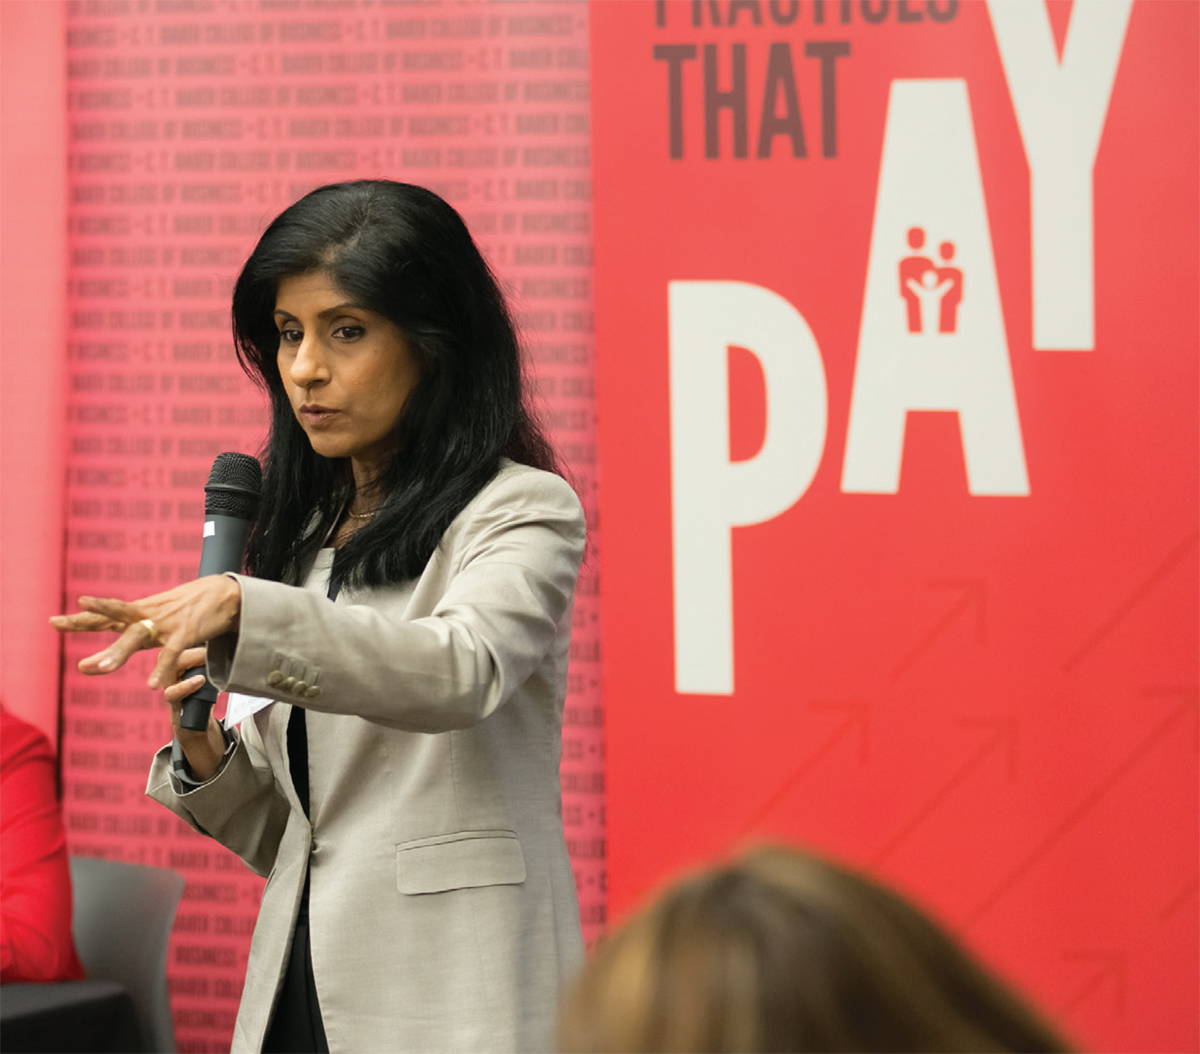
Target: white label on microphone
{"points": [[210, 528], [242, 706]]}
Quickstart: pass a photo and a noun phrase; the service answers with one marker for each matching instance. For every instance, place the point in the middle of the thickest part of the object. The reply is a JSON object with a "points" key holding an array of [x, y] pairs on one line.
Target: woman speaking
{"points": [[408, 608]]}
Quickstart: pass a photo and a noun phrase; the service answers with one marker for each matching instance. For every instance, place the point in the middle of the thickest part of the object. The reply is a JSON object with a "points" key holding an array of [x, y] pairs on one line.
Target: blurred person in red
{"points": [[35, 882]]}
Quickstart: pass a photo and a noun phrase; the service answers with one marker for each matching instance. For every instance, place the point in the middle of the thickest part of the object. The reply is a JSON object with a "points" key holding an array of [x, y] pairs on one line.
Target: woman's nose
{"points": [[309, 367]]}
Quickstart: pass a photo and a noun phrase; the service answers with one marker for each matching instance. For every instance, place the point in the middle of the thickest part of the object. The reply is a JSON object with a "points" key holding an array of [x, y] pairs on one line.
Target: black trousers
{"points": [[296, 1026]]}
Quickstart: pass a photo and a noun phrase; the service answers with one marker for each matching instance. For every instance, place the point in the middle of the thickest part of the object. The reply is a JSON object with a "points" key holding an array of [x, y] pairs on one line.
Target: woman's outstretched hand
{"points": [[188, 615]]}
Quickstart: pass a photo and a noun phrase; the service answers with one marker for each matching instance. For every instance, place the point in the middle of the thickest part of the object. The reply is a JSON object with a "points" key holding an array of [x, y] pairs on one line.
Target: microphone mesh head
{"points": [[234, 486]]}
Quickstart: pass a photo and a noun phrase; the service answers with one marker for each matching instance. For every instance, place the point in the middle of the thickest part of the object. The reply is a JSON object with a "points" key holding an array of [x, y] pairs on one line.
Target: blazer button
{"points": [[300, 687], [312, 692], [274, 677], [286, 683]]}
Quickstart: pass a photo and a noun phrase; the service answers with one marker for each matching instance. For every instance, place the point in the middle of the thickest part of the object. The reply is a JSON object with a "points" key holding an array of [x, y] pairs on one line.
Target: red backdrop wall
{"points": [[188, 125]]}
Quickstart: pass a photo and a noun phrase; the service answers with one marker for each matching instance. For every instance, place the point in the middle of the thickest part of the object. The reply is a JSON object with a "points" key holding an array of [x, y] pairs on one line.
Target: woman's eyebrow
{"points": [[329, 312]]}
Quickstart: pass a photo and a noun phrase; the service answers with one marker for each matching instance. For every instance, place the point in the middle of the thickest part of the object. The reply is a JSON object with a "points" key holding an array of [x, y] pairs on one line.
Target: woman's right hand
{"points": [[181, 618], [203, 750]]}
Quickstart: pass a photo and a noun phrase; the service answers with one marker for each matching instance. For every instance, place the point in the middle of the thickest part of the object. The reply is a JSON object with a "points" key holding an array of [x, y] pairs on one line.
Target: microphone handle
{"points": [[224, 544], [198, 705], [224, 550]]}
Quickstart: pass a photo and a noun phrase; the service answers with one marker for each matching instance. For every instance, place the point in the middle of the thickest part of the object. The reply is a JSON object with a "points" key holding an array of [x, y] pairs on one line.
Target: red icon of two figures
{"points": [[930, 290]]}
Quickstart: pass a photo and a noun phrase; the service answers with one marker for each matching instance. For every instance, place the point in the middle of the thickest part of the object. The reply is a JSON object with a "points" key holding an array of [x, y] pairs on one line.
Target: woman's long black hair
{"points": [[405, 254]]}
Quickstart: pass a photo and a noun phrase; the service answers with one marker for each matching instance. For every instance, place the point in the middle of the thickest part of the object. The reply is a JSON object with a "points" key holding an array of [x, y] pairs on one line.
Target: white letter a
{"points": [[932, 334]]}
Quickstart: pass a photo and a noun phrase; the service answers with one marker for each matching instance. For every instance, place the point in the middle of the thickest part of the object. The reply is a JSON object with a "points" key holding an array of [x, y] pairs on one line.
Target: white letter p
{"points": [[711, 494]]}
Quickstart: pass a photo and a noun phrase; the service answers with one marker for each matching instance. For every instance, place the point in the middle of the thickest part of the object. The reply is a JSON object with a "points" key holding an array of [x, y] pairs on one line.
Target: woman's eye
{"points": [[290, 336], [349, 332]]}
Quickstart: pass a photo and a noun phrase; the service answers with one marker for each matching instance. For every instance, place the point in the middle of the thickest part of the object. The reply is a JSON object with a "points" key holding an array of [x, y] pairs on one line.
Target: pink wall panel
{"points": [[191, 124], [33, 177]]}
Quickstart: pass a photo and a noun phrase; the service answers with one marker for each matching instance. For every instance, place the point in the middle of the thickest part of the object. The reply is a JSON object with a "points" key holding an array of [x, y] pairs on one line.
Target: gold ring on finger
{"points": [[152, 629]]}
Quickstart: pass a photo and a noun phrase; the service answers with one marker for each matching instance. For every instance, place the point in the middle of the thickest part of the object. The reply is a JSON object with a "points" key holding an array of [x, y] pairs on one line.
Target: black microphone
{"points": [[230, 507]]}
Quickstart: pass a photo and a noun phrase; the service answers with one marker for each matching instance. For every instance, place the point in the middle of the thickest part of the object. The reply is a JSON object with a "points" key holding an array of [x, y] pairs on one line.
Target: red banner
{"points": [[897, 378]]}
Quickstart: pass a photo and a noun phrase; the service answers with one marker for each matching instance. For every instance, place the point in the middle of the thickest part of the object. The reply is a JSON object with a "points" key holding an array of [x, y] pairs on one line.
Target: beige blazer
{"points": [[442, 906]]}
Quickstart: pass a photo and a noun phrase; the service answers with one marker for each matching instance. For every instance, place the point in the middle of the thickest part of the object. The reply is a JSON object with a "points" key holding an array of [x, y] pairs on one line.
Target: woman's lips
{"points": [[316, 415]]}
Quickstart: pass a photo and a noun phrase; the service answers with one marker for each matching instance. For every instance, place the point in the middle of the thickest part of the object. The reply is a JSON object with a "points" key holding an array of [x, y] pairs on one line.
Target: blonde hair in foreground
{"points": [[784, 951]]}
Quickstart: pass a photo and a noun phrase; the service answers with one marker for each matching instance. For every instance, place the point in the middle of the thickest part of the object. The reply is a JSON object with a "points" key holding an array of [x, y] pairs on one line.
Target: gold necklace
{"points": [[360, 515]]}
